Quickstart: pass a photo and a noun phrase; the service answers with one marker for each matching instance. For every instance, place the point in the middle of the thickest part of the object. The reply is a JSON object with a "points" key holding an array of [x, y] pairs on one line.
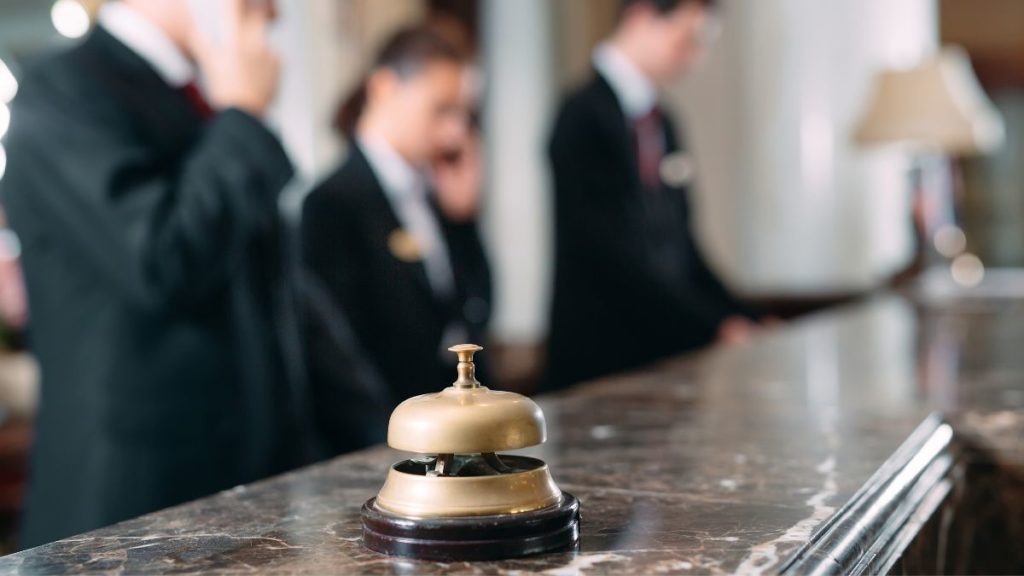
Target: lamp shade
{"points": [[937, 105]]}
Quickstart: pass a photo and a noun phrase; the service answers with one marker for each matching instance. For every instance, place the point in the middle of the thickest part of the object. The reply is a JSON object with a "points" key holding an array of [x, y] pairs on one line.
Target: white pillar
{"points": [[517, 209], [787, 204]]}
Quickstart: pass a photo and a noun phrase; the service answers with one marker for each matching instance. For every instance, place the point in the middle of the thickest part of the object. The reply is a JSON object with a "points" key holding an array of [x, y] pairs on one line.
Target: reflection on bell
{"points": [[460, 500]]}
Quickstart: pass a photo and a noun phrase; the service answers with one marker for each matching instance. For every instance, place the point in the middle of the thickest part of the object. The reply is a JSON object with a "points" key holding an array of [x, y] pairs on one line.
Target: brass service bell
{"points": [[459, 499]]}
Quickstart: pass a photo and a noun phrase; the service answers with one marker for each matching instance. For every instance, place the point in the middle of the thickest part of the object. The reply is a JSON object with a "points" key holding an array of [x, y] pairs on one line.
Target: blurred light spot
{"points": [[10, 245], [950, 241], [8, 84], [70, 18], [817, 138], [602, 432], [3, 161], [5, 119], [967, 270]]}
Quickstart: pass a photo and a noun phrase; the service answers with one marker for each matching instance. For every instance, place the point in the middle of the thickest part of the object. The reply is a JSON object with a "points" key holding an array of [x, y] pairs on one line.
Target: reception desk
{"points": [[883, 437]]}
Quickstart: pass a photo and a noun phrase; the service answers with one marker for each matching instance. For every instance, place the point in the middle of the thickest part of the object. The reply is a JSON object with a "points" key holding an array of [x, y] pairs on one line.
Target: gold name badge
{"points": [[404, 247]]}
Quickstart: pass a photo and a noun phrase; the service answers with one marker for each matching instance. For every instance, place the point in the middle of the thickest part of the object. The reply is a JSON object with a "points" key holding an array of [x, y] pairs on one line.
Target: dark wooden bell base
{"points": [[473, 538]]}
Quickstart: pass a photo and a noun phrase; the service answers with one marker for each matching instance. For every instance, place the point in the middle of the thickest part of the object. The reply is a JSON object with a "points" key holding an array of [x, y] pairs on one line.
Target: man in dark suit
{"points": [[391, 235], [148, 215], [631, 285]]}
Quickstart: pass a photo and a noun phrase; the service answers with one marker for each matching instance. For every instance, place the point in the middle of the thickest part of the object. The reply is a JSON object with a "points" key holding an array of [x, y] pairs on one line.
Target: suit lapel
{"points": [[387, 224], [452, 240], [663, 209], [616, 121], [171, 125]]}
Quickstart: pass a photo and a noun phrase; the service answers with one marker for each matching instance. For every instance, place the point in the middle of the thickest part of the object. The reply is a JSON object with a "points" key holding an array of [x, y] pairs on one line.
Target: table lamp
{"points": [[939, 109]]}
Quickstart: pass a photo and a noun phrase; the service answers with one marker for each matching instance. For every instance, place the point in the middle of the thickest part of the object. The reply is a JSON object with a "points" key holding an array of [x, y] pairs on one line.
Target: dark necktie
{"points": [[649, 146], [198, 101]]}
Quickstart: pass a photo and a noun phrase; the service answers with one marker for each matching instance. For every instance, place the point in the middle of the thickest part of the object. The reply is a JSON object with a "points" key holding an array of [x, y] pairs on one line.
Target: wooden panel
{"points": [[983, 25], [581, 24], [992, 31]]}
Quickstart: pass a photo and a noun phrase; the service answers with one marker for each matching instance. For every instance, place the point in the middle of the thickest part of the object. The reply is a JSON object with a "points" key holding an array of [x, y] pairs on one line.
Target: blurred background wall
{"points": [[789, 205]]}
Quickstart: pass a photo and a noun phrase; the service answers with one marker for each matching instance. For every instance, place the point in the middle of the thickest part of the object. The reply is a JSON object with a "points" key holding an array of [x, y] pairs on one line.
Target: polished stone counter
{"points": [[835, 444]]}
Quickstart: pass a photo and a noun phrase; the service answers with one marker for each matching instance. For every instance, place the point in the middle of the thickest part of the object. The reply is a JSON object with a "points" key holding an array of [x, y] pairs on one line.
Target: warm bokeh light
{"points": [[70, 18], [950, 241], [8, 84], [967, 270]]}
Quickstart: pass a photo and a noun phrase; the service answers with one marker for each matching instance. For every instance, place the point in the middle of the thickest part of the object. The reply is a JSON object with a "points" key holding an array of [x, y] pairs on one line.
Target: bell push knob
{"points": [[466, 417]]}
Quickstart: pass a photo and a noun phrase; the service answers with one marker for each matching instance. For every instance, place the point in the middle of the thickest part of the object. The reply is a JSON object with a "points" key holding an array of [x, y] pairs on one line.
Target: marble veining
{"points": [[765, 556], [726, 461]]}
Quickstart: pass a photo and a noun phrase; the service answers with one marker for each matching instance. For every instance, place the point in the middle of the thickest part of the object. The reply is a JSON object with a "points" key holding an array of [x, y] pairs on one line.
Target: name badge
{"points": [[404, 246], [678, 169]]}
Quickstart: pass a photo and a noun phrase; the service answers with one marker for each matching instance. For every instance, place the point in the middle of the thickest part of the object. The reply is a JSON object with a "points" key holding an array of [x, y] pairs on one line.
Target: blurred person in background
{"points": [[631, 285], [147, 211], [392, 233]]}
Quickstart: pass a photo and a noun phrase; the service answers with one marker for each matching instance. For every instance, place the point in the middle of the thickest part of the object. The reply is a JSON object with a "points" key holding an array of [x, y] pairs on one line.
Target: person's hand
{"points": [[736, 330], [241, 70], [458, 180]]}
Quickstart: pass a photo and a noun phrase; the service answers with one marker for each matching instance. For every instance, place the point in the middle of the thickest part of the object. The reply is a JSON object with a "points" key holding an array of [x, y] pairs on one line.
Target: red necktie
{"points": [[649, 146], [199, 103]]}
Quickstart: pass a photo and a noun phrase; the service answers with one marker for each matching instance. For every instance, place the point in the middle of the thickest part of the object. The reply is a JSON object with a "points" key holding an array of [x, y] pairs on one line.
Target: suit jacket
{"points": [[630, 283], [348, 226], [151, 260]]}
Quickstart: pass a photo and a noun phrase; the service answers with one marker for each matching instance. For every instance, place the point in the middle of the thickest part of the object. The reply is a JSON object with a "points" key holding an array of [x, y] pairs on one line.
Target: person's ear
{"points": [[381, 85]]}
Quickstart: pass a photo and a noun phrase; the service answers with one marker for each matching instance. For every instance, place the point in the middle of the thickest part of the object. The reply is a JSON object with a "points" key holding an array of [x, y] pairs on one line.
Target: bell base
{"points": [[474, 538]]}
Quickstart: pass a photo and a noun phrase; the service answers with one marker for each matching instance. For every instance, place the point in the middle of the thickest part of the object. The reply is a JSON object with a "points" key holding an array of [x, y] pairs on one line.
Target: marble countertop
{"points": [[732, 460]]}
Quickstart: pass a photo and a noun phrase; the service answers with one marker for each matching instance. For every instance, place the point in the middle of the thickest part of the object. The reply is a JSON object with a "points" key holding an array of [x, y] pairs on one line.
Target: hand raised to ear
{"points": [[458, 182], [241, 71]]}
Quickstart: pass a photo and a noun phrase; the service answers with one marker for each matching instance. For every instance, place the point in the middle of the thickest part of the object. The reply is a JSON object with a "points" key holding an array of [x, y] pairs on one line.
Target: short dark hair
{"points": [[406, 54], [412, 49], [665, 6]]}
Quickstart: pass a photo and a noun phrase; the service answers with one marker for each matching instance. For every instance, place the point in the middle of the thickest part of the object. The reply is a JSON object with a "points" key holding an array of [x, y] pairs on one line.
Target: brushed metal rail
{"points": [[869, 533]]}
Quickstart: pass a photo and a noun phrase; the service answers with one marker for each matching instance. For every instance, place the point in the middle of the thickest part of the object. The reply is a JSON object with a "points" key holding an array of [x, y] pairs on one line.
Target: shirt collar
{"points": [[635, 91], [398, 178], [149, 42]]}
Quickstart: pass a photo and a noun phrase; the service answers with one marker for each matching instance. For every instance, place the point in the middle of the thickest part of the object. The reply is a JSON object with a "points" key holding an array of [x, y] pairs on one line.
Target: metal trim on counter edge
{"points": [[868, 534]]}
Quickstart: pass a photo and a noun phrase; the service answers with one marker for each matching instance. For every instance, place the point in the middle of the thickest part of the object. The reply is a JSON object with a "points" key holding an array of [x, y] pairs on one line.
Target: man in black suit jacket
{"points": [[388, 234], [150, 230], [631, 285]]}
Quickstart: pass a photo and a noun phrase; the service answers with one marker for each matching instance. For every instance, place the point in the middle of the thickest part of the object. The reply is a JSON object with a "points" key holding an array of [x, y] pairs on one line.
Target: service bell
{"points": [[459, 499]]}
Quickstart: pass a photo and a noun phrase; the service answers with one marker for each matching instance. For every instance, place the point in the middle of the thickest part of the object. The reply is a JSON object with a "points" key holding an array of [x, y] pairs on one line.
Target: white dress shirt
{"points": [[406, 191], [147, 40], [636, 93]]}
